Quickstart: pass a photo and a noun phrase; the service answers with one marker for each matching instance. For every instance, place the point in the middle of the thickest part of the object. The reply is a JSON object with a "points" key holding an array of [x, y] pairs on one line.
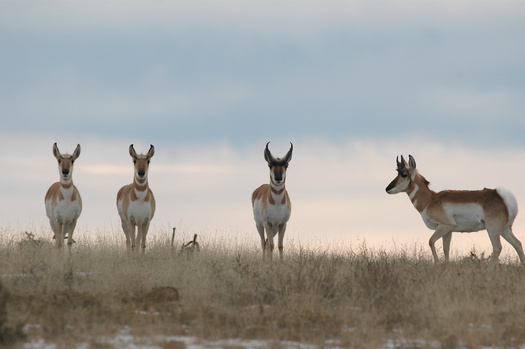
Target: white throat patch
{"points": [[414, 192]]}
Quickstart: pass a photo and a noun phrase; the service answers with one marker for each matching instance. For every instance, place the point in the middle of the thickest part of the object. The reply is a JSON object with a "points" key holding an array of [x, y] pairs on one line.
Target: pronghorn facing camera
{"points": [[135, 201], [463, 211], [63, 202], [271, 203]]}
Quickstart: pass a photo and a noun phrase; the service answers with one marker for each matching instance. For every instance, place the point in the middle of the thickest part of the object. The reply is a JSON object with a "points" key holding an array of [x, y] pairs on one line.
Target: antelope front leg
{"points": [[260, 229], [131, 233], [71, 229], [142, 232], [282, 230], [438, 234], [59, 235], [270, 233], [125, 228]]}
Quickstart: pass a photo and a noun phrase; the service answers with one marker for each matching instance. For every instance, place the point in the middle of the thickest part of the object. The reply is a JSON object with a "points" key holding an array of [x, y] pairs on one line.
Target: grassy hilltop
{"points": [[360, 298]]}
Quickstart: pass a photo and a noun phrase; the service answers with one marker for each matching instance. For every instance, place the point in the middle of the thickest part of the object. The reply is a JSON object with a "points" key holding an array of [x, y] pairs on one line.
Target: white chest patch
{"points": [[277, 214], [139, 212], [65, 211], [141, 195], [428, 222]]}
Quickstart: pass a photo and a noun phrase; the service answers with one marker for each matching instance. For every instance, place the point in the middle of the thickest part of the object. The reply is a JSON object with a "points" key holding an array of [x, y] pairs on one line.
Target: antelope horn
{"points": [[268, 155], [288, 156]]}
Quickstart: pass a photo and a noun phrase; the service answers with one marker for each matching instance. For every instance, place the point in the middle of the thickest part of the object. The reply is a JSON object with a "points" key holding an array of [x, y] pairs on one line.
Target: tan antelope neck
{"points": [[270, 195], [419, 193], [140, 185]]}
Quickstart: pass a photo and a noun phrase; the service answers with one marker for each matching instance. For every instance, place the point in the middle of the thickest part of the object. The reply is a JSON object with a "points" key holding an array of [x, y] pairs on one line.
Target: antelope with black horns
{"points": [[271, 203], [465, 211]]}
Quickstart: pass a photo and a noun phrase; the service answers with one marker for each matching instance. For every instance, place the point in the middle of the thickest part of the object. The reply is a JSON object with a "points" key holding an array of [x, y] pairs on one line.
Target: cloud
{"points": [[282, 14], [472, 106], [206, 71]]}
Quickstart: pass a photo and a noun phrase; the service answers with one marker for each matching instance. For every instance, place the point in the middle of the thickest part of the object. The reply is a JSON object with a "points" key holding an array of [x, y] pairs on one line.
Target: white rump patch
{"points": [[510, 201]]}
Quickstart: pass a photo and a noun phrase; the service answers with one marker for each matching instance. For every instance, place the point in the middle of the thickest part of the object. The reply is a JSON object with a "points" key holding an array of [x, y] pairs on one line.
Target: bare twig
{"points": [[173, 237], [191, 246]]}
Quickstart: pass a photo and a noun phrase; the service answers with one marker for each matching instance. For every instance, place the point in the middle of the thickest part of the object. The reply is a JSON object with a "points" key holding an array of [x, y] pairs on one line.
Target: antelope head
{"points": [[65, 162], [141, 162], [406, 172], [278, 166]]}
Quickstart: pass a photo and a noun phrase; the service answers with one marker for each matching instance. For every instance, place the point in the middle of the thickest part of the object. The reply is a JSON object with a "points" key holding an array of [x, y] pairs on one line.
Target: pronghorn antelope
{"points": [[271, 203], [464, 211], [135, 201], [63, 202]]}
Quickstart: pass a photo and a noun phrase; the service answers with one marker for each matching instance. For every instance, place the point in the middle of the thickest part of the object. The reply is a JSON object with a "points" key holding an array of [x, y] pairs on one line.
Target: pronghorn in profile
{"points": [[271, 203], [63, 202], [459, 211], [135, 201]]}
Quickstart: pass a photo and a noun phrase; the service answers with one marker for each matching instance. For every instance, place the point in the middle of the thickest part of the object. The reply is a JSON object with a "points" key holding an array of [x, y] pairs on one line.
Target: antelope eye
{"points": [[59, 160], [72, 161], [134, 161], [404, 175], [148, 162]]}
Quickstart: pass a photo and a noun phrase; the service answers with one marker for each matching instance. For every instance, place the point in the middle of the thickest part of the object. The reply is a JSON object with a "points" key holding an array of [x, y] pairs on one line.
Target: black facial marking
{"points": [[278, 173]]}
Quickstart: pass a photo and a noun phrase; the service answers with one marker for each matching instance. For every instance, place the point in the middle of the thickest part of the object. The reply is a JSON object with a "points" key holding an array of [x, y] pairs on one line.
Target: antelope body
{"points": [[135, 201], [63, 201], [451, 211], [271, 203]]}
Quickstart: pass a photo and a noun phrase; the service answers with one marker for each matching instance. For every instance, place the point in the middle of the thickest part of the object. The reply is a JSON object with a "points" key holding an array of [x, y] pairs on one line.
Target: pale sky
{"points": [[351, 83]]}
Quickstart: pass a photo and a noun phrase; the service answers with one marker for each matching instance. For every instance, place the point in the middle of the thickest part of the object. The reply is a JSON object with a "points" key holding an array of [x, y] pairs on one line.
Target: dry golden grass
{"points": [[361, 298]]}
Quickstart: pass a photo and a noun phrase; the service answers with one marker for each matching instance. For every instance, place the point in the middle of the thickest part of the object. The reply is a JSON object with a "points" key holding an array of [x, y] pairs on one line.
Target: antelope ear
{"points": [[56, 152], [76, 153], [268, 155], [411, 162], [288, 156], [132, 152], [151, 151]]}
